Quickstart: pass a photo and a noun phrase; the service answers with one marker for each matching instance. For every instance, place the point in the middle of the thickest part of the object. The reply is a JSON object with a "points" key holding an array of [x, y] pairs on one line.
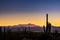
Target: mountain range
{"points": [[29, 27]]}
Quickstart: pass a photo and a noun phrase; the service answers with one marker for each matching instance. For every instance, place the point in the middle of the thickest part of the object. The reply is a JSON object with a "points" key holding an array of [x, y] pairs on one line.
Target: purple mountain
{"points": [[55, 28], [21, 27], [29, 27]]}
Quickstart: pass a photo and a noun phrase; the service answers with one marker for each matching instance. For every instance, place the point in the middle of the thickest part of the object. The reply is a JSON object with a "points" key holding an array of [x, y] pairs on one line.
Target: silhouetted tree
{"points": [[46, 23], [55, 35], [25, 29], [4, 34], [49, 27], [0, 29], [44, 28], [0, 32], [55, 31], [8, 30]]}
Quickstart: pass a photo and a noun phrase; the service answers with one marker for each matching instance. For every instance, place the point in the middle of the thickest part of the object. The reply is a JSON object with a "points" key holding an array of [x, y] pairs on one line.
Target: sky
{"points": [[13, 12]]}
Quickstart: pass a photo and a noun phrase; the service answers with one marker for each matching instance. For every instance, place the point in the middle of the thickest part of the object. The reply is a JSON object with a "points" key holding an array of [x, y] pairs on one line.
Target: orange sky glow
{"points": [[9, 20]]}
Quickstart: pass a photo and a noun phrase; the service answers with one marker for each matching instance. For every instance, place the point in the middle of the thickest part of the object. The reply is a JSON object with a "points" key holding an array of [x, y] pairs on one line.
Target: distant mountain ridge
{"points": [[55, 28], [29, 27], [26, 25]]}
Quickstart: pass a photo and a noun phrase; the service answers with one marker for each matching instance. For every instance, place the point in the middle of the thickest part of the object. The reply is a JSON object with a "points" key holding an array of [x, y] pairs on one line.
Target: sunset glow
{"points": [[34, 12]]}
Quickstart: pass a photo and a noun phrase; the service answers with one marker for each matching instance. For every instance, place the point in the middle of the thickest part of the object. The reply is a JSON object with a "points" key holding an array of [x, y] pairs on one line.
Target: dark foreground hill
{"points": [[29, 36], [28, 32]]}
